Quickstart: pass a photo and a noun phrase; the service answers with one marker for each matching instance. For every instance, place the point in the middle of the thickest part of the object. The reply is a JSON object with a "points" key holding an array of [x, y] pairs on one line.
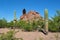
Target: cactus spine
{"points": [[46, 19]]}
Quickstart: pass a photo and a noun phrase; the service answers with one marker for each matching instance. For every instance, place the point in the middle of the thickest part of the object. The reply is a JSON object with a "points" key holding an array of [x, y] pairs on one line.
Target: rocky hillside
{"points": [[30, 16]]}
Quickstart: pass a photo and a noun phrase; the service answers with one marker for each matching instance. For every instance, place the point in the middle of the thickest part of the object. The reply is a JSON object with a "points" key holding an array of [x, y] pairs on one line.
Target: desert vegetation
{"points": [[9, 36], [54, 25]]}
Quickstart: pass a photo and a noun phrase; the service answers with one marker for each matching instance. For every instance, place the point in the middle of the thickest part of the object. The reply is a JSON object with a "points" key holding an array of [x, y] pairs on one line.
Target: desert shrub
{"points": [[30, 26], [3, 23], [37, 25], [52, 27], [26, 26], [54, 23], [34, 25], [17, 24], [22, 23], [40, 24], [8, 36], [10, 24], [56, 36]]}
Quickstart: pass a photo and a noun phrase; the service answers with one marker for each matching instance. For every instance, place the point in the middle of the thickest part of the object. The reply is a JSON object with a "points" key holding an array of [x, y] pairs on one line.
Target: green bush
{"points": [[26, 26], [54, 23], [10, 24], [30, 26], [3, 23], [8, 36], [52, 27]]}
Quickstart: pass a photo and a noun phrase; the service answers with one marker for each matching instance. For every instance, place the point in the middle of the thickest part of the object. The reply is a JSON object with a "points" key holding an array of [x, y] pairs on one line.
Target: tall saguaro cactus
{"points": [[15, 18], [15, 15], [46, 19]]}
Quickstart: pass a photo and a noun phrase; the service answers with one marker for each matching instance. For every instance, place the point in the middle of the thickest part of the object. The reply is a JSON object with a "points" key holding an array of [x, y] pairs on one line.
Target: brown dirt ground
{"points": [[31, 35]]}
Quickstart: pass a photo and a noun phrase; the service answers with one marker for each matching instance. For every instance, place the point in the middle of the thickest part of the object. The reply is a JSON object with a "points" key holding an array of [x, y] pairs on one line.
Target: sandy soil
{"points": [[32, 35]]}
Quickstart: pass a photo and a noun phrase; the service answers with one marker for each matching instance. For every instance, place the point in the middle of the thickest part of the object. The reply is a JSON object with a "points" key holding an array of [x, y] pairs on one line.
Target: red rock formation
{"points": [[32, 15]]}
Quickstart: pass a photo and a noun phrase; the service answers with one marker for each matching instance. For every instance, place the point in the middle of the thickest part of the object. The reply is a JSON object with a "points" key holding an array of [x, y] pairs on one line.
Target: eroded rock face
{"points": [[30, 16]]}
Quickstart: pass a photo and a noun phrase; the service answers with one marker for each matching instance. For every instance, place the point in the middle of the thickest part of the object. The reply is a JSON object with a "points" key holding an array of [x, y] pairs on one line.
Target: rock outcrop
{"points": [[30, 16]]}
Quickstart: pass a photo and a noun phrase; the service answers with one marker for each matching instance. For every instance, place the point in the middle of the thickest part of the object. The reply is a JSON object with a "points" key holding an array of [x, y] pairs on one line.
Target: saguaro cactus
{"points": [[15, 18], [15, 15], [46, 20]]}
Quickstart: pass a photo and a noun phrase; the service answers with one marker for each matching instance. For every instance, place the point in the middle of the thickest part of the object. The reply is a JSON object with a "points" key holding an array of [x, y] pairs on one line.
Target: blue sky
{"points": [[7, 7]]}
